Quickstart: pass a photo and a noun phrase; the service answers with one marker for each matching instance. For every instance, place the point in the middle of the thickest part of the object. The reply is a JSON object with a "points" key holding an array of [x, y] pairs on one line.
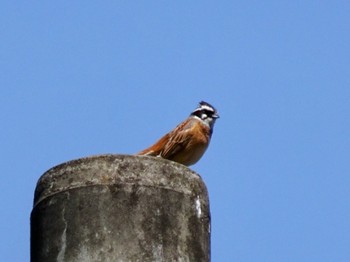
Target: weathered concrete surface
{"points": [[120, 208]]}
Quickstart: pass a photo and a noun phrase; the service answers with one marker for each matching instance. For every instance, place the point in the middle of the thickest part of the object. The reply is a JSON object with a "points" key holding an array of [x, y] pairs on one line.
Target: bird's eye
{"points": [[208, 113]]}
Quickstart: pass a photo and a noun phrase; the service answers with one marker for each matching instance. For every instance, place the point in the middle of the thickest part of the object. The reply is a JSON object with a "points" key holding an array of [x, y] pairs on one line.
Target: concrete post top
{"points": [[114, 169]]}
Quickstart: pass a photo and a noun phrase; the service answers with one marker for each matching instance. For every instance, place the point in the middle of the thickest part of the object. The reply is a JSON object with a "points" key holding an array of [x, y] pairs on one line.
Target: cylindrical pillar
{"points": [[120, 208]]}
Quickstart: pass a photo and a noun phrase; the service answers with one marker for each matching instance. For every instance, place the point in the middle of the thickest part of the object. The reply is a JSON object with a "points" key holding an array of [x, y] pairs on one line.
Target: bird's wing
{"points": [[177, 141]]}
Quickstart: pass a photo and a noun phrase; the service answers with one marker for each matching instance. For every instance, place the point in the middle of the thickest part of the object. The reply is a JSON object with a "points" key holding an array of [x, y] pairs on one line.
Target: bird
{"points": [[188, 141]]}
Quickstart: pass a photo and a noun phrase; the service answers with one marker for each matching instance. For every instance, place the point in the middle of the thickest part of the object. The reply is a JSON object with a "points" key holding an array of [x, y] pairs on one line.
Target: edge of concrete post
{"points": [[109, 170]]}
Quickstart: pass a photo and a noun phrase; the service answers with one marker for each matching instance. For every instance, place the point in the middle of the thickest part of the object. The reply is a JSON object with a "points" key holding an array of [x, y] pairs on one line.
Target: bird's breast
{"points": [[194, 150]]}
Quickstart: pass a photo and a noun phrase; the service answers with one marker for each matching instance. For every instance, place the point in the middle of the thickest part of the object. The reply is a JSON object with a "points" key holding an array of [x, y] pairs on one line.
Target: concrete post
{"points": [[120, 208]]}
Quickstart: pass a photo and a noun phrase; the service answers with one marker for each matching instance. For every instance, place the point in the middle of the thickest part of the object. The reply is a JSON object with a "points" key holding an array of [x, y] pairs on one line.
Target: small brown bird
{"points": [[187, 143]]}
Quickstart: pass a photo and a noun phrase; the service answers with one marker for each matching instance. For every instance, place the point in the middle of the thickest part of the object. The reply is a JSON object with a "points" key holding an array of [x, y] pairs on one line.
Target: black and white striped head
{"points": [[206, 113]]}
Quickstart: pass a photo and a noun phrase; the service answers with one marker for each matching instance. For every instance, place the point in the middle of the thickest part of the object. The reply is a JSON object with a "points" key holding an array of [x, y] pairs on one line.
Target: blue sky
{"points": [[83, 78]]}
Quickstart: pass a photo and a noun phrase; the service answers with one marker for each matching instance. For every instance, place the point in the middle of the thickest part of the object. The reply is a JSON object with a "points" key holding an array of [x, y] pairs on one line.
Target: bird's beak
{"points": [[215, 116]]}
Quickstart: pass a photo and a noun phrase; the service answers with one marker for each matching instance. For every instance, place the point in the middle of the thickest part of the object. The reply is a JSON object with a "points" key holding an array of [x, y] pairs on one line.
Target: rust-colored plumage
{"points": [[187, 143]]}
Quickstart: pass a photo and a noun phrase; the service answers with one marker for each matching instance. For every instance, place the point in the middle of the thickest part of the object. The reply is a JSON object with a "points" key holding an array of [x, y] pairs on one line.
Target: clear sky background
{"points": [[79, 78]]}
